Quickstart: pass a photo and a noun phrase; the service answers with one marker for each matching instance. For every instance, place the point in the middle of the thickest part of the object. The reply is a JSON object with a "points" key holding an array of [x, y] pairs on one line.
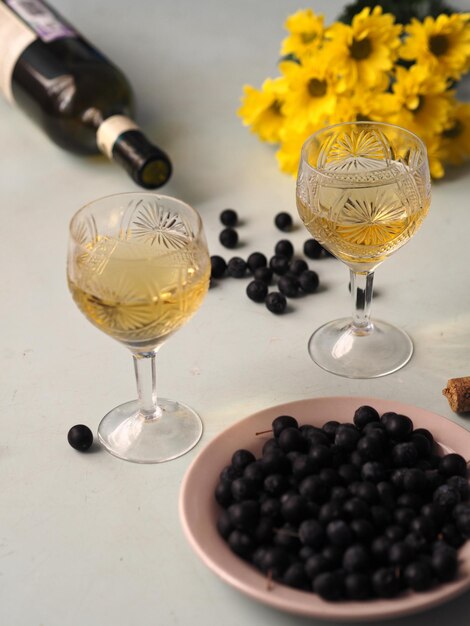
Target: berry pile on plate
{"points": [[354, 511]]}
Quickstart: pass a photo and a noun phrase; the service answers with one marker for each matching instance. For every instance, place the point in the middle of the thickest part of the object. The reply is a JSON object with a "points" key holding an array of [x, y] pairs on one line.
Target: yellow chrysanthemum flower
{"points": [[312, 91], [437, 154], [423, 101], [261, 109], [441, 44], [364, 106], [306, 32], [364, 51], [293, 138], [456, 138]]}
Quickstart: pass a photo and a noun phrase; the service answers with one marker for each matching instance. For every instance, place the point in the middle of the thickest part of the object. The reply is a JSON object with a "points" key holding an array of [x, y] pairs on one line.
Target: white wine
{"points": [[138, 292], [80, 99], [360, 210], [363, 226]]}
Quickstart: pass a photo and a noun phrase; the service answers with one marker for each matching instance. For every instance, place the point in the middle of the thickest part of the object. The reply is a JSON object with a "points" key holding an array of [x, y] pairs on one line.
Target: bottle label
{"points": [[110, 130], [15, 36], [41, 19], [21, 23]]}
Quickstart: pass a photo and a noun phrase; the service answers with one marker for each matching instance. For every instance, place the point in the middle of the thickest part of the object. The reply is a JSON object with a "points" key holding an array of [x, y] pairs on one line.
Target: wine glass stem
{"points": [[361, 292], [145, 374]]}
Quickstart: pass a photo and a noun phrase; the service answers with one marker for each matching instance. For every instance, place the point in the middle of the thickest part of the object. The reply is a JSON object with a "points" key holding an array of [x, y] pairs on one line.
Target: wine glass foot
{"points": [[338, 348], [129, 436]]}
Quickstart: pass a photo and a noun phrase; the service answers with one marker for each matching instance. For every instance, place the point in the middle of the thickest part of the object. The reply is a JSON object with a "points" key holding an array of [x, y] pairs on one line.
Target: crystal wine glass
{"points": [[138, 268], [363, 190]]}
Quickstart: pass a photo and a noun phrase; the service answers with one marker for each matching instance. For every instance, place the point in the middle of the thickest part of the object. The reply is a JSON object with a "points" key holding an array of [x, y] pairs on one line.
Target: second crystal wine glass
{"points": [[363, 190], [138, 268]]}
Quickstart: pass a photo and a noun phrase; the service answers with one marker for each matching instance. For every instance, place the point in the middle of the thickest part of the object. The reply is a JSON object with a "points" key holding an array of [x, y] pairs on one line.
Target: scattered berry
{"points": [[284, 248], [236, 267], [276, 302], [218, 266], [228, 237], [297, 266], [313, 249], [283, 221], [80, 437], [256, 260], [309, 281], [279, 264], [289, 286], [257, 290], [263, 273], [229, 217]]}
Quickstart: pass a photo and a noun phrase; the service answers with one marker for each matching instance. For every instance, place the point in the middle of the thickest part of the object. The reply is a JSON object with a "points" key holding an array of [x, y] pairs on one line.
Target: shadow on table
{"points": [[454, 613]]}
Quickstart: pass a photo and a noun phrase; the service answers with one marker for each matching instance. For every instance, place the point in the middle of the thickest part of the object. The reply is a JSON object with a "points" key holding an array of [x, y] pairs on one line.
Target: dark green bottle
{"points": [[80, 99]]}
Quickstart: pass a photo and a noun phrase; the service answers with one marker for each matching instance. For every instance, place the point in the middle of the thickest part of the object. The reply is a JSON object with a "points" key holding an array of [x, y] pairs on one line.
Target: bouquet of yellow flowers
{"points": [[371, 69]]}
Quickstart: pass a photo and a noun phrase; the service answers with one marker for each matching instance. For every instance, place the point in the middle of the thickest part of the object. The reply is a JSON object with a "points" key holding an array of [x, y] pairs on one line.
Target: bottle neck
{"points": [[120, 139], [109, 131]]}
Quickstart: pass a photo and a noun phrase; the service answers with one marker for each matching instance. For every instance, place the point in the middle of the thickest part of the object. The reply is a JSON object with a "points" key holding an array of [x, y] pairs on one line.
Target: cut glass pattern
{"points": [[372, 219], [355, 151], [150, 222]]}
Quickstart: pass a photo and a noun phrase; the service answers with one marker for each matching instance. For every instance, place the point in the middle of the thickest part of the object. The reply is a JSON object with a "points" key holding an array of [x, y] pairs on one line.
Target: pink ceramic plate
{"points": [[198, 510]]}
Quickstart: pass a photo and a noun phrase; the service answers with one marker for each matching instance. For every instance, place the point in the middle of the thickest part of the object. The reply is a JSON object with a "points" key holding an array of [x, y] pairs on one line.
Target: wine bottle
{"points": [[80, 99]]}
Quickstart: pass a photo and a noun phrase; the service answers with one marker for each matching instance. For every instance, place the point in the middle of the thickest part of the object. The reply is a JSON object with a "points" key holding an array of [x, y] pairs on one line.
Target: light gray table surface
{"points": [[91, 540]]}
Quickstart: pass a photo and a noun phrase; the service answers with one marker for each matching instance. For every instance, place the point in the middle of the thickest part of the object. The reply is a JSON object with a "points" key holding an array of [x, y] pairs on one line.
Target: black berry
{"points": [[218, 266], [241, 543], [309, 281], [283, 421], [453, 465], [263, 273], [229, 217], [358, 586], [257, 290], [418, 576], [276, 302], [228, 237], [284, 248], [283, 221], [256, 260], [297, 266], [339, 533], [385, 582], [444, 563], [241, 458], [311, 533], [328, 586], [80, 437], [365, 415], [244, 515], [236, 267], [313, 249], [279, 264], [289, 286], [398, 427]]}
